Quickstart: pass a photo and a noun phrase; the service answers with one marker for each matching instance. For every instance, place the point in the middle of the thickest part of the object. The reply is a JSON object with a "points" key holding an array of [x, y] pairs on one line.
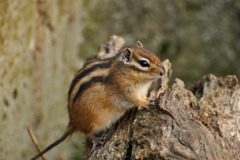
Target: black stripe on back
{"points": [[86, 85], [86, 72]]}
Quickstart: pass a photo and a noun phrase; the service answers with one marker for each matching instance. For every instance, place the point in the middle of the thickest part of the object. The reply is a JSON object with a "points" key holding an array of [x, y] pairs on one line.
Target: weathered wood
{"points": [[201, 123]]}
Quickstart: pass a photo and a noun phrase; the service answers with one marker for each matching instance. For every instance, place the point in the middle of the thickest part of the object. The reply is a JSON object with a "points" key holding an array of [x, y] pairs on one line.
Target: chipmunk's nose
{"points": [[162, 71]]}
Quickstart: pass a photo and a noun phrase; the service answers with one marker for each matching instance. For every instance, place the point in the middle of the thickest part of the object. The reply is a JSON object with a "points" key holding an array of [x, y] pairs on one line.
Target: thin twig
{"points": [[35, 141]]}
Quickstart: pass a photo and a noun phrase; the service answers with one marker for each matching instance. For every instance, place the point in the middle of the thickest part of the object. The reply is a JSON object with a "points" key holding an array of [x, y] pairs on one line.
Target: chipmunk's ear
{"points": [[139, 44], [127, 55]]}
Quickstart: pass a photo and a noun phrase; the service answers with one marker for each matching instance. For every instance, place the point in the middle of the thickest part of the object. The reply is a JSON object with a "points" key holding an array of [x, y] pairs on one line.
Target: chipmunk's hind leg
{"points": [[97, 141]]}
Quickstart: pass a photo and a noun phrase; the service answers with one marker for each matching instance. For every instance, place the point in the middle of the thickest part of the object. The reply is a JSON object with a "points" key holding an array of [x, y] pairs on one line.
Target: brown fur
{"points": [[103, 90], [98, 105]]}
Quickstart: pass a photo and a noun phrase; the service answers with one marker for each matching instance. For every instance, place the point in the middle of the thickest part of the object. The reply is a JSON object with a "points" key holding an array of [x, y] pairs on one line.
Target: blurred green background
{"points": [[199, 37]]}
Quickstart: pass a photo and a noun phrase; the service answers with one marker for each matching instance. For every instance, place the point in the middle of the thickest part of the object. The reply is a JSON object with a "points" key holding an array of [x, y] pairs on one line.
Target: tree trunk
{"points": [[200, 123]]}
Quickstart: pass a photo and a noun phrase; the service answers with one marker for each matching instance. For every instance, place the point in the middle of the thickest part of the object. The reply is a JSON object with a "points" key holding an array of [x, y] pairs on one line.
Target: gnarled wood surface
{"points": [[201, 123]]}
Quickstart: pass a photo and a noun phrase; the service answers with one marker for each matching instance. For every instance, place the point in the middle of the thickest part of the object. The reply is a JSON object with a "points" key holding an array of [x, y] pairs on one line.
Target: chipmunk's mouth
{"points": [[155, 77]]}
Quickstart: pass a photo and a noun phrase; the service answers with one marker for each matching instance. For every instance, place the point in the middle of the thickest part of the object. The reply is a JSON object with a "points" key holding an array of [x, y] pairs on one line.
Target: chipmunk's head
{"points": [[142, 64]]}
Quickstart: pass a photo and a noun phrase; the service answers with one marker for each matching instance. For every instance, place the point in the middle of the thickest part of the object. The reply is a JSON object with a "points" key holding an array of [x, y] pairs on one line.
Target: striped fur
{"points": [[103, 90], [85, 77], [84, 86], [86, 71]]}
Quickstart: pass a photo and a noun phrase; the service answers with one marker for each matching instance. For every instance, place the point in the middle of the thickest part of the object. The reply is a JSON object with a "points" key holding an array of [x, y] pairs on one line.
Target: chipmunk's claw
{"points": [[151, 104]]}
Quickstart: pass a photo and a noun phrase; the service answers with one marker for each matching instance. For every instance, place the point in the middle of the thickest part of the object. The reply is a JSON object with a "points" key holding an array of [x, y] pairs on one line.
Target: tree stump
{"points": [[201, 123]]}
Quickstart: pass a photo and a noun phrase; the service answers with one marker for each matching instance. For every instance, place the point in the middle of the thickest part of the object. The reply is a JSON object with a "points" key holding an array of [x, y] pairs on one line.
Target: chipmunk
{"points": [[103, 90]]}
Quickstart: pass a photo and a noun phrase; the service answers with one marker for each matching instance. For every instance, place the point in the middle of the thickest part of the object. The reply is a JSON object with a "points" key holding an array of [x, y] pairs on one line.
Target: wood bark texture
{"points": [[200, 123]]}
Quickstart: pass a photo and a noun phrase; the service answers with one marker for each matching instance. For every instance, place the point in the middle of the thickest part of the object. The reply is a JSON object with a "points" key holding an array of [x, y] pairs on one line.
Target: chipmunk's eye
{"points": [[143, 63]]}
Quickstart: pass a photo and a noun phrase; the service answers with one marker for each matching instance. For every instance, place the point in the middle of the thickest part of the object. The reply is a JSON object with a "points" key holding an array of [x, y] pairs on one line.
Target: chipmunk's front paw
{"points": [[151, 104]]}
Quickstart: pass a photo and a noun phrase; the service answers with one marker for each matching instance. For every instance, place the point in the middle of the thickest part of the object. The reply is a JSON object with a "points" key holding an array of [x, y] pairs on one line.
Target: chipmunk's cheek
{"points": [[155, 75]]}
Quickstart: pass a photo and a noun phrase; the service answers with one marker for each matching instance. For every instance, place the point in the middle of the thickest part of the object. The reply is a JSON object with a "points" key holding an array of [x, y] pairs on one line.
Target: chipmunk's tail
{"points": [[64, 136]]}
